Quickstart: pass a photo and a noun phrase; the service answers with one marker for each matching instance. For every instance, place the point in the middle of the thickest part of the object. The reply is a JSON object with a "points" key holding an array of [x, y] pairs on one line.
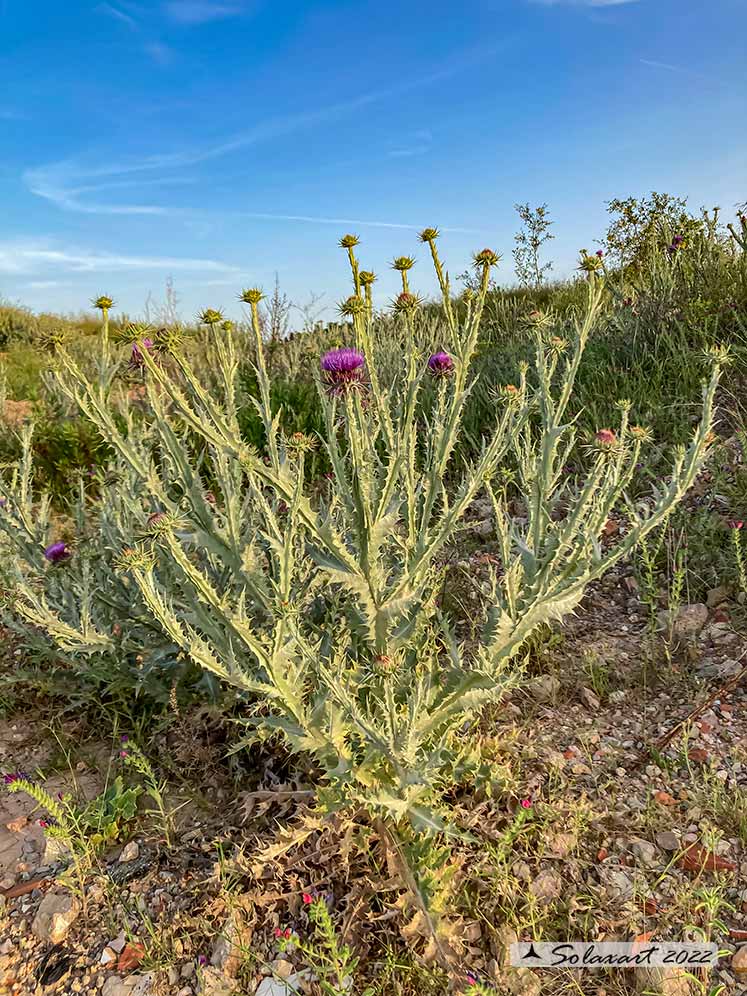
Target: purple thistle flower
{"points": [[440, 364], [136, 359], [343, 369], [56, 552], [124, 738], [15, 776], [202, 961], [3, 502]]}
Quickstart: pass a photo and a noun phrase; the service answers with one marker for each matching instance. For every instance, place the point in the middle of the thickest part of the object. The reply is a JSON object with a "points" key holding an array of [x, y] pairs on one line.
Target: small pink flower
{"points": [[526, 803], [307, 898], [278, 932], [471, 979], [736, 524], [600, 253], [606, 437], [123, 753]]}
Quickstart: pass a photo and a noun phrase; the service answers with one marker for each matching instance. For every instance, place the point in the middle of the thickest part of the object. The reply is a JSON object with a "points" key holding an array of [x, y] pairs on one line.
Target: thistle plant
{"points": [[104, 304], [320, 614]]}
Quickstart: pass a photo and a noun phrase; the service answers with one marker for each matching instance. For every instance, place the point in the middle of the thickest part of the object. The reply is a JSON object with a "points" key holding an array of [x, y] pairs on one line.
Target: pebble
{"points": [[667, 840], [129, 852]]}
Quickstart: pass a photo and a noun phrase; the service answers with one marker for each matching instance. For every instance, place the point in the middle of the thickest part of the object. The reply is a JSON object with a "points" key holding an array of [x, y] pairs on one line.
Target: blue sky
{"points": [[219, 141]]}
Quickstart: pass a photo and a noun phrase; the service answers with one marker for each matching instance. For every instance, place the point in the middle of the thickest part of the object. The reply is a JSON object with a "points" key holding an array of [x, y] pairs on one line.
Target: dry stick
{"points": [[662, 742]]}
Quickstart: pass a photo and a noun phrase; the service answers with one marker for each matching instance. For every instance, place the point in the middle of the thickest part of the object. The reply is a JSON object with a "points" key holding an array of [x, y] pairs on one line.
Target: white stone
{"points": [[56, 914], [129, 852], [279, 987]]}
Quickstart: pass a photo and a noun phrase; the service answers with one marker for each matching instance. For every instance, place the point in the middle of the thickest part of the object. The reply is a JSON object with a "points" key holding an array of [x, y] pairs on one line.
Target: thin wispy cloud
{"points": [[583, 3], [352, 222], [118, 15], [671, 68], [160, 53], [30, 258], [191, 12], [47, 284], [422, 142], [65, 183]]}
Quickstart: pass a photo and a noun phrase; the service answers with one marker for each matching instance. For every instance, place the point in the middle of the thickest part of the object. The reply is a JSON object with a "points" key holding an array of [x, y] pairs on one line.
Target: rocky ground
{"points": [[631, 746]]}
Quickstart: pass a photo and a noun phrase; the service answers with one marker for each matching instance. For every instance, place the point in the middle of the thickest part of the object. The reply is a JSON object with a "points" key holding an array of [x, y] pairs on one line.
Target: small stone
{"points": [[282, 968], [279, 987], [644, 851], [664, 981], [129, 852], [16, 825], [544, 688], [547, 886], [686, 623], [667, 840], [619, 883], [187, 970], [118, 943], [716, 596], [56, 914], [739, 960], [107, 956], [590, 700], [55, 850], [214, 983], [561, 844]]}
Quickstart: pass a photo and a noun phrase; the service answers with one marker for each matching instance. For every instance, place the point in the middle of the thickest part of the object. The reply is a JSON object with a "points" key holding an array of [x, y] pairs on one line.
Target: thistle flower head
{"points": [[160, 523], [535, 319], [366, 277], [441, 364], [300, 442], [642, 433], [252, 295], [169, 340], [349, 242], [403, 263], [429, 235], [719, 354], [57, 552], [136, 356], [736, 524], [508, 392], [526, 803], [52, 338], [343, 370], [135, 558], [227, 325], [605, 439], [406, 301], [210, 316], [486, 257], [103, 303], [351, 306], [557, 344], [15, 776], [590, 264]]}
